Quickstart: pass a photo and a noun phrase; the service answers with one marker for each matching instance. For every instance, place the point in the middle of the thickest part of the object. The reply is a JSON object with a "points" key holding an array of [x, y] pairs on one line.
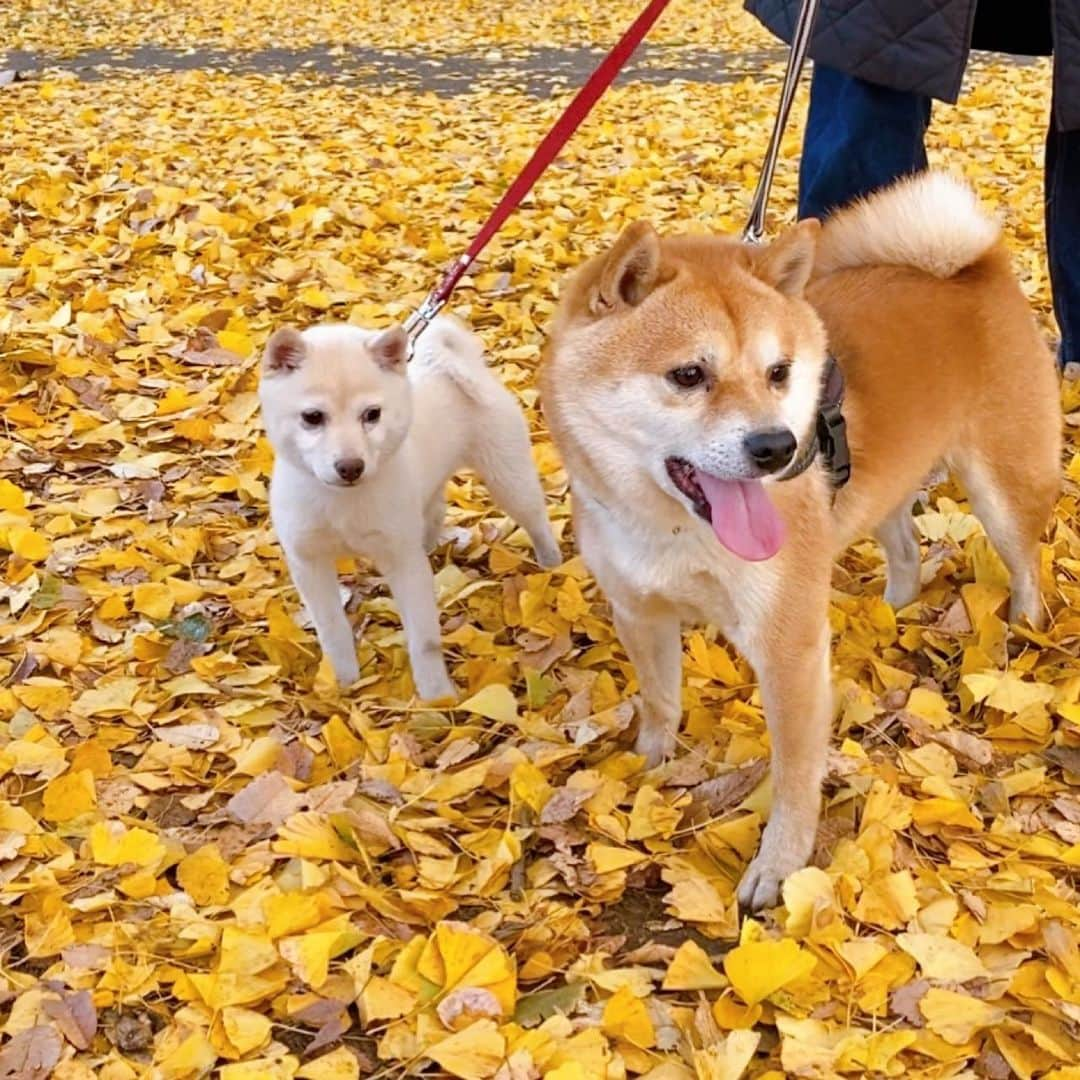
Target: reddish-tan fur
{"points": [[943, 363]]}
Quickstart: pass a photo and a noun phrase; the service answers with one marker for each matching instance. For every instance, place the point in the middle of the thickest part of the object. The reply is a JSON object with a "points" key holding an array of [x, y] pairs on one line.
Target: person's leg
{"points": [[859, 137], [1063, 234]]}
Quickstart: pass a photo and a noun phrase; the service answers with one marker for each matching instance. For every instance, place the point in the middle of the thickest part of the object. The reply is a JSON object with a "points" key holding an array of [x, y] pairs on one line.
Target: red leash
{"points": [[542, 157]]}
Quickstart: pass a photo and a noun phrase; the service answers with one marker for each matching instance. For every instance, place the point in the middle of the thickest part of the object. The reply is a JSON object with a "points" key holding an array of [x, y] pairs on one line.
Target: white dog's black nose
{"points": [[350, 469], [770, 449]]}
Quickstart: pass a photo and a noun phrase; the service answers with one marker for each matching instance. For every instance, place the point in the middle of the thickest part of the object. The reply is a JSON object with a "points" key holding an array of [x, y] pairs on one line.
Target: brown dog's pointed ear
{"points": [[630, 271], [284, 351], [786, 264], [391, 348]]}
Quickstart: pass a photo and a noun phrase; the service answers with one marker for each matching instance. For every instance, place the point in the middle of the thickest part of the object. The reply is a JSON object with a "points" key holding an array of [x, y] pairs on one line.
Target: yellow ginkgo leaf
{"points": [[310, 953], [245, 1029], [760, 968], [943, 958], [204, 876], [245, 952], [194, 1056], [807, 894], [69, 796], [1007, 691], [456, 956], [652, 815], [381, 999], [473, 1054], [606, 858], [113, 845], [691, 969], [339, 1064], [727, 1059], [626, 1016], [495, 702], [957, 1017], [153, 599]]}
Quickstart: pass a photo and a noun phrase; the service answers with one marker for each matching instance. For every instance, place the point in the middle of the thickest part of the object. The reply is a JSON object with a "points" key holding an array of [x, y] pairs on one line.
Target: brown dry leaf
{"points": [[75, 1016], [267, 800], [32, 1054]]}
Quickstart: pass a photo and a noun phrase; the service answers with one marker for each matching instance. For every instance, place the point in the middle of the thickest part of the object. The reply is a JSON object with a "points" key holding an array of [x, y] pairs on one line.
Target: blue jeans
{"points": [[860, 136]]}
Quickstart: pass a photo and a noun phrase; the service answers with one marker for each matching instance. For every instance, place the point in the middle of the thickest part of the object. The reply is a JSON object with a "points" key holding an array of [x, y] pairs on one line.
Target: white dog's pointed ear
{"points": [[390, 349], [630, 271], [284, 351], [786, 263]]}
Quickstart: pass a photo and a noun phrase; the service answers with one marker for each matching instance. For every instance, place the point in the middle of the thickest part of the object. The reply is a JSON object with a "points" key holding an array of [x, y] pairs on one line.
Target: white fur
{"points": [[447, 411], [799, 405], [932, 222]]}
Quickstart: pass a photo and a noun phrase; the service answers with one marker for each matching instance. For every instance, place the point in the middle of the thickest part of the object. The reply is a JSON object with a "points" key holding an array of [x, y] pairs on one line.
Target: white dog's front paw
{"points": [[764, 877], [655, 742], [900, 594], [434, 685], [548, 554], [346, 668]]}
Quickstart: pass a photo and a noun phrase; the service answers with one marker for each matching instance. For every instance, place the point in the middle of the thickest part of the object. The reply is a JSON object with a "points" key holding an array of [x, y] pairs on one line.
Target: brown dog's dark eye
{"points": [[778, 373], [313, 417], [688, 376], [371, 416]]}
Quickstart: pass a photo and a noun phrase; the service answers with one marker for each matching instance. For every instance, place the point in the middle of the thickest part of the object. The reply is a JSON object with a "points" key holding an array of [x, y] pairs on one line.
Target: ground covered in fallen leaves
{"points": [[213, 863]]}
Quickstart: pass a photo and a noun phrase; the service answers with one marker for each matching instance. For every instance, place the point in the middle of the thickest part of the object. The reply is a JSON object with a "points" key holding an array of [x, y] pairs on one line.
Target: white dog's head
{"points": [[335, 399]]}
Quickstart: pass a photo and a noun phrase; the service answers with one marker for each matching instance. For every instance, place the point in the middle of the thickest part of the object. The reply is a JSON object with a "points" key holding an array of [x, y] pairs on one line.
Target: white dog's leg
{"points": [[504, 460], [653, 642], [317, 583], [434, 519], [796, 691], [412, 585], [896, 534]]}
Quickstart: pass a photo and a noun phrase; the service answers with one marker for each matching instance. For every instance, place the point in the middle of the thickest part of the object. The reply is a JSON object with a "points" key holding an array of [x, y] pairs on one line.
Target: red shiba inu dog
{"points": [[682, 384]]}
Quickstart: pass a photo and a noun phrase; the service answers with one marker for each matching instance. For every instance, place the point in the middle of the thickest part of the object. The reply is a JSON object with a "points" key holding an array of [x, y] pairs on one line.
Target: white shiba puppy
{"points": [[364, 445]]}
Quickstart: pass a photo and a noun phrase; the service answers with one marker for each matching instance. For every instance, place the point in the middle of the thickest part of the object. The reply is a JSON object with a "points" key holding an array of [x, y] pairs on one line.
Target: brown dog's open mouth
{"points": [[684, 477], [741, 514]]}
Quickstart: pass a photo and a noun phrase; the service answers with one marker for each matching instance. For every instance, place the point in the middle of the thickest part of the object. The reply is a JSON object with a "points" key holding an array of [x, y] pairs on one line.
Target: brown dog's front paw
{"points": [[760, 887], [761, 884]]}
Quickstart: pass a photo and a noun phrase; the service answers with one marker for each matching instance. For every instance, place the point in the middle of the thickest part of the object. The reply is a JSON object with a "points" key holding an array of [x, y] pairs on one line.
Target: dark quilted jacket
{"points": [[923, 45]]}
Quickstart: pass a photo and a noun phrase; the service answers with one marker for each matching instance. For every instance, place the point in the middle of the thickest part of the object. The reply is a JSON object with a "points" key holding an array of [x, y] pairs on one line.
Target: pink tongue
{"points": [[743, 518]]}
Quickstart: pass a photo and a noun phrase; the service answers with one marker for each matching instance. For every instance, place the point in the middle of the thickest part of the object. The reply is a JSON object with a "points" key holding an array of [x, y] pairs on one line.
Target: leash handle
{"points": [[754, 232], [542, 157]]}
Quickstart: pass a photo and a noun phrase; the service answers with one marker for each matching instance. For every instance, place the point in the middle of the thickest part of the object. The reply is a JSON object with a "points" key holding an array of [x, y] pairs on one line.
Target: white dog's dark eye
{"points": [[688, 376], [313, 417], [778, 373], [371, 416]]}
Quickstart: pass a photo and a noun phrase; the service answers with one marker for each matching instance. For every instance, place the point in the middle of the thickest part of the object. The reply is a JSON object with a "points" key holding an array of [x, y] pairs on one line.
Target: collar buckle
{"points": [[832, 438]]}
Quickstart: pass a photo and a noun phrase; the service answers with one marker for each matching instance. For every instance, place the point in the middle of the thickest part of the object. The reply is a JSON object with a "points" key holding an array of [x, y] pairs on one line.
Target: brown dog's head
{"points": [[693, 364]]}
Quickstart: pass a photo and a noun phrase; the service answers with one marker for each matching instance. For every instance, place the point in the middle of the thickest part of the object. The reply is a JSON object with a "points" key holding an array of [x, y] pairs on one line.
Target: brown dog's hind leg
{"points": [[1012, 487]]}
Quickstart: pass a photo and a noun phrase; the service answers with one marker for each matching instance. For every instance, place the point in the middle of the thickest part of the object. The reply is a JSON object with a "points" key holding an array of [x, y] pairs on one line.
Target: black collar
{"points": [[829, 438]]}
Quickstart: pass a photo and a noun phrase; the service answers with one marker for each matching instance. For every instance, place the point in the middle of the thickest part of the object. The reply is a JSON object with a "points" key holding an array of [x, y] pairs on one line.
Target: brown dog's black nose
{"points": [[350, 469], [770, 449]]}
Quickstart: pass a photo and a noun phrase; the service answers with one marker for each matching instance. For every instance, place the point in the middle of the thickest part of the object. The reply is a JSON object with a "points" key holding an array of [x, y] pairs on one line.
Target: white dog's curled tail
{"points": [[931, 221], [450, 348]]}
